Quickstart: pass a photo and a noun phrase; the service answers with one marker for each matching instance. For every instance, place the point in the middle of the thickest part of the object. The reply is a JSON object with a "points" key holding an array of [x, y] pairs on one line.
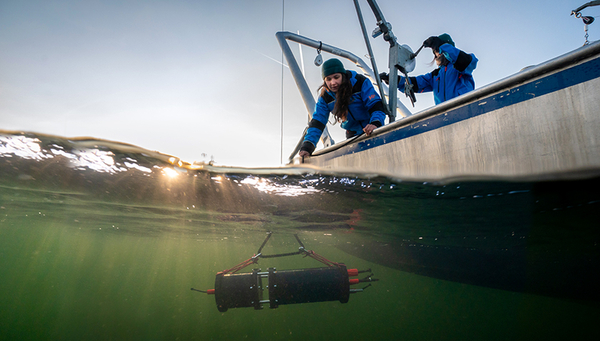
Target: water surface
{"points": [[101, 240]]}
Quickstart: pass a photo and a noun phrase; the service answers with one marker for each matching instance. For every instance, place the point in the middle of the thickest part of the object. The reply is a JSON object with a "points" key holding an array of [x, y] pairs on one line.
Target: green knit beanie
{"points": [[446, 39], [332, 66]]}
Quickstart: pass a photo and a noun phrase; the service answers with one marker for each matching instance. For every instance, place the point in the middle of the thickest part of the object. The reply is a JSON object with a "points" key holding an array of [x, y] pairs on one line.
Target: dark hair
{"points": [[441, 57], [343, 98]]}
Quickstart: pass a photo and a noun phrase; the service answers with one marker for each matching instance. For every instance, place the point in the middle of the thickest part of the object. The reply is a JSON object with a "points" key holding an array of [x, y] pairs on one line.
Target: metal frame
{"points": [[307, 97]]}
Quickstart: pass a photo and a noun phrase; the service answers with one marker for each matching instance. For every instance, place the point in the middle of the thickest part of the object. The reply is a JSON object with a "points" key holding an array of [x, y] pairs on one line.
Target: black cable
{"points": [[282, 254], [264, 243], [368, 279], [298, 239]]}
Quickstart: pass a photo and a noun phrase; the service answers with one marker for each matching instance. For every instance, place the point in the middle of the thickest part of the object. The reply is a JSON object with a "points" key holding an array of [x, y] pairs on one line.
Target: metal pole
{"points": [[307, 97], [376, 11], [388, 36], [391, 114], [591, 3], [393, 77], [384, 26]]}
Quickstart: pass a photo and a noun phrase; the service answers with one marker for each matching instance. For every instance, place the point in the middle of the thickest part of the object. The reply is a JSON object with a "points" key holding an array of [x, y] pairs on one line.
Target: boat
{"points": [[542, 122]]}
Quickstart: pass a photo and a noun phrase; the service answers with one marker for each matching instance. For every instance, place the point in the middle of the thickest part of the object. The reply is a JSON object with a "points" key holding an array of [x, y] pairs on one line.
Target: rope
{"points": [[258, 255], [240, 266], [321, 259]]}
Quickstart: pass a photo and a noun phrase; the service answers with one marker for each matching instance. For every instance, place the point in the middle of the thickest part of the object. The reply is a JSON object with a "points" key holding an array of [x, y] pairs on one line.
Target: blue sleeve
{"points": [[424, 83], [373, 102], [317, 123], [463, 62]]}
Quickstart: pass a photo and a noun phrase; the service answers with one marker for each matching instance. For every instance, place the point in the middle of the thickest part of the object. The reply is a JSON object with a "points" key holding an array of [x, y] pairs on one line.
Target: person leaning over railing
{"points": [[452, 78], [351, 99]]}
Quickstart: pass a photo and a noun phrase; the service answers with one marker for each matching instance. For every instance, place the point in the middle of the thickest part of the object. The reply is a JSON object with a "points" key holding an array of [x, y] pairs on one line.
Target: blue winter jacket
{"points": [[448, 81], [365, 107]]}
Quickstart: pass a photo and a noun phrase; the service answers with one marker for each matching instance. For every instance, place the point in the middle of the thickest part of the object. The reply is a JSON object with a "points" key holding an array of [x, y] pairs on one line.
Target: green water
{"points": [[90, 255]]}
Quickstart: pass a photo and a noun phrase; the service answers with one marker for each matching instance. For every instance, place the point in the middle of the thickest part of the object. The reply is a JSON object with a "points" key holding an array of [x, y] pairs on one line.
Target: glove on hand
{"points": [[385, 78], [434, 43]]}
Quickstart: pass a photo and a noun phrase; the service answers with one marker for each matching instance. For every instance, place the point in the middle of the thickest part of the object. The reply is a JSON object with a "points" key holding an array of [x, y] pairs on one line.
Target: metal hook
{"points": [[319, 58]]}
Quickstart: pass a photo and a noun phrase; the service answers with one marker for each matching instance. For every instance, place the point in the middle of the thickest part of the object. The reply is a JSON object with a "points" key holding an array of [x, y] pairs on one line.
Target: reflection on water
{"points": [[102, 240]]}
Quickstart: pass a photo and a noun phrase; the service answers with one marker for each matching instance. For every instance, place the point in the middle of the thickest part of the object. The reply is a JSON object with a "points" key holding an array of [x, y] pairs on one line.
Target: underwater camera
{"points": [[331, 283]]}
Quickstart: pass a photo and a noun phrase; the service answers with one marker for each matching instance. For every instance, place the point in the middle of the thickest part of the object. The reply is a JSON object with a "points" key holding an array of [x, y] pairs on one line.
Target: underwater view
{"points": [[101, 240]]}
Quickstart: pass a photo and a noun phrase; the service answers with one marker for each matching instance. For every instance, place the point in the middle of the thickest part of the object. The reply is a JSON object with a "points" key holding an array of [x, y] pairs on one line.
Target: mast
{"points": [[401, 57]]}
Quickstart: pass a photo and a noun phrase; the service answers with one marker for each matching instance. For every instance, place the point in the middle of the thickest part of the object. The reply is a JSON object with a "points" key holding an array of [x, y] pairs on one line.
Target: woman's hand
{"points": [[385, 78], [369, 129], [434, 43], [303, 153]]}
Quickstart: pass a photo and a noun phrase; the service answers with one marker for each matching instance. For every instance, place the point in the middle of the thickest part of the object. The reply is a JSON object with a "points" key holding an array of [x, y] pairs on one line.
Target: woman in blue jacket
{"points": [[351, 99], [452, 78]]}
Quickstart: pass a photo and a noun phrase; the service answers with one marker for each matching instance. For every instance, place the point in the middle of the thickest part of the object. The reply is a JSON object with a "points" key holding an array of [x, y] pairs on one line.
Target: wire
{"points": [[281, 120]]}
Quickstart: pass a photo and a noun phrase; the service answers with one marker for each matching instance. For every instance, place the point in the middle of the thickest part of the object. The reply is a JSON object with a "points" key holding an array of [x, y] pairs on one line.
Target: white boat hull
{"points": [[543, 122]]}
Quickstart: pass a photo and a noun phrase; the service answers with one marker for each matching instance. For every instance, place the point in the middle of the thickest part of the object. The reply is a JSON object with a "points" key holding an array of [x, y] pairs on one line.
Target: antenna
{"points": [[281, 120]]}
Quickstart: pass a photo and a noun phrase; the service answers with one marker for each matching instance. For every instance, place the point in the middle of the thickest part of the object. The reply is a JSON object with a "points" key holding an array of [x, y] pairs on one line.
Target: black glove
{"points": [[385, 78], [434, 43], [308, 146]]}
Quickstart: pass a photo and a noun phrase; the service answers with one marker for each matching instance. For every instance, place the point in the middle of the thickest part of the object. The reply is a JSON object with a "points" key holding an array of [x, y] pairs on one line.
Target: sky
{"points": [[203, 80]]}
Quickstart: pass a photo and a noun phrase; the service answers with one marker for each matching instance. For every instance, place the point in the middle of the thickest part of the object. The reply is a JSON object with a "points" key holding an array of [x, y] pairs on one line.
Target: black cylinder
{"points": [[238, 290], [308, 285]]}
